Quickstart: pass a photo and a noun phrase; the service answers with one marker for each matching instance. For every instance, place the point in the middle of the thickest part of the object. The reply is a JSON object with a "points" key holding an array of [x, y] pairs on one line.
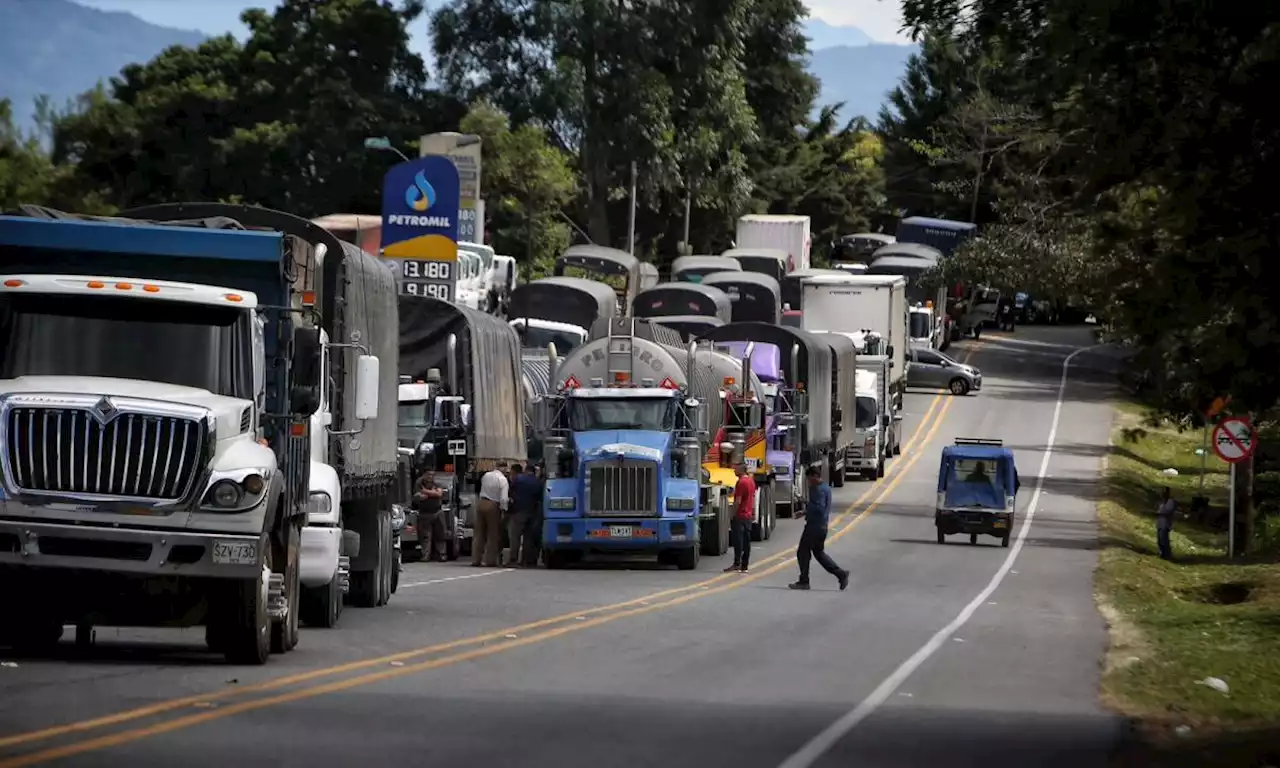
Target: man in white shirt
{"points": [[486, 542]]}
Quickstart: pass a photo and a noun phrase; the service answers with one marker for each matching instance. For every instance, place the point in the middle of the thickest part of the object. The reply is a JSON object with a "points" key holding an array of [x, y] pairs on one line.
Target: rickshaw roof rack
{"points": [[979, 441]]}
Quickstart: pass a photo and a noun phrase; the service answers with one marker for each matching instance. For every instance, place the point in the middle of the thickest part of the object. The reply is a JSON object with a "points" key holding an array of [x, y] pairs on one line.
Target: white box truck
{"points": [[785, 232], [872, 305]]}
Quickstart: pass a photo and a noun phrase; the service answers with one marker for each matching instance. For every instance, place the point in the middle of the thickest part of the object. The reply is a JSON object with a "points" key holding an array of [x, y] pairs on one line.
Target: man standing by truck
{"points": [[486, 543], [744, 514], [813, 539], [428, 500]]}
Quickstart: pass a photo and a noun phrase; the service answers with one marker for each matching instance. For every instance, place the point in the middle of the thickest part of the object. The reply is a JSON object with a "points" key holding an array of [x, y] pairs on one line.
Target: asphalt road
{"points": [[936, 655]]}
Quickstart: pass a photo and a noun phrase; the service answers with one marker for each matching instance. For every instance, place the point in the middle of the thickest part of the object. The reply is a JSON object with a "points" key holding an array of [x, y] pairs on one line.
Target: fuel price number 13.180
{"points": [[432, 279]]}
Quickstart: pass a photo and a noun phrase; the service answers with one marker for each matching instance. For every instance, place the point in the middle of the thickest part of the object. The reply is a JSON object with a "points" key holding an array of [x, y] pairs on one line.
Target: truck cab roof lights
{"points": [[234, 297], [14, 283]]}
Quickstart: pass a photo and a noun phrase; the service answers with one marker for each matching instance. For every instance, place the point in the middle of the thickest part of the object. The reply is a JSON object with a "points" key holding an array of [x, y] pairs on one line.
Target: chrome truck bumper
{"points": [[131, 551]]}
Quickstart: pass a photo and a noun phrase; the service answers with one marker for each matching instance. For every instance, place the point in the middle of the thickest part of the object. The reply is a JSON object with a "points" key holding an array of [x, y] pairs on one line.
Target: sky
{"points": [[878, 18]]}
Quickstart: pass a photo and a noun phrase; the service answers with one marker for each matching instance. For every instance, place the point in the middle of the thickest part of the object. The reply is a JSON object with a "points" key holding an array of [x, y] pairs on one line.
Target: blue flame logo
{"points": [[421, 195]]}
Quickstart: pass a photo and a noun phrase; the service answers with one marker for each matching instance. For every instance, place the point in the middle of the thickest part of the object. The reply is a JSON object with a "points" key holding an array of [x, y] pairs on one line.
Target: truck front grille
{"points": [[53, 451], [626, 488]]}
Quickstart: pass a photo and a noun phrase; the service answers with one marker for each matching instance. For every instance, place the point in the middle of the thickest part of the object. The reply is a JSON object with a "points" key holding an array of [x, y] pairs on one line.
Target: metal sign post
{"points": [[1234, 440]]}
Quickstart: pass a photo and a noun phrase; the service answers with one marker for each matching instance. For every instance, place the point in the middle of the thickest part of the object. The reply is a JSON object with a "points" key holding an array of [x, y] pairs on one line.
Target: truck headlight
{"points": [[319, 504], [679, 504], [562, 502], [235, 495]]}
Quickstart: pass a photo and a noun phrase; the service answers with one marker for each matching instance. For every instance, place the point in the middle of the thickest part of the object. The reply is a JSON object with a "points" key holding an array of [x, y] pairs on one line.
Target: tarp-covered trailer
{"points": [[648, 275], [669, 299], [619, 269], [573, 300], [806, 361], [755, 298], [765, 261], [487, 370], [844, 359], [691, 269], [690, 327], [649, 329]]}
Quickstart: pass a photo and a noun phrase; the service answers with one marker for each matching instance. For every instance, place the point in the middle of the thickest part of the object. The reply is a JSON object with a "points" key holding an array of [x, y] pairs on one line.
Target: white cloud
{"points": [[881, 19]]}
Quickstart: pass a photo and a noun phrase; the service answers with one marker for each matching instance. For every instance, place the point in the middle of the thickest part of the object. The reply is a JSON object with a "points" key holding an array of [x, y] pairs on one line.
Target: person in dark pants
{"points": [[427, 501], [1164, 523], [744, 513], [526, 504], [533, 533], [813, 539]]}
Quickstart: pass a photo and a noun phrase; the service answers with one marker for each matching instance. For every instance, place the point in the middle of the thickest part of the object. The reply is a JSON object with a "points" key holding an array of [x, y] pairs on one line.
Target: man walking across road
{"points": [[1164, 523], [526, 501], [744, 513], [813, 539], [486, 544]]}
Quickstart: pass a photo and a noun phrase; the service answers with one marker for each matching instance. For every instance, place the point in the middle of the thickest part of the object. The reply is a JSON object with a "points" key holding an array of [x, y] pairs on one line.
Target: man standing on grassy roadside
{"points": [[1164, 523]]}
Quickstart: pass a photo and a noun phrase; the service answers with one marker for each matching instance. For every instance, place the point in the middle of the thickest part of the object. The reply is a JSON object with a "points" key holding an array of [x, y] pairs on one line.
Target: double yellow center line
{"points": [[209, 707]]}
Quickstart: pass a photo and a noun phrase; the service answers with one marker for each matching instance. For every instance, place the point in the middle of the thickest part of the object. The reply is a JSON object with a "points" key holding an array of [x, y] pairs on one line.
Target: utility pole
{"points": [[631, 218]]}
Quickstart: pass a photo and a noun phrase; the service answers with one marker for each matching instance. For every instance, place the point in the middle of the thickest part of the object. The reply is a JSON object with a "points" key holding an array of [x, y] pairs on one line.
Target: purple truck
{"points": [[766, 362]]}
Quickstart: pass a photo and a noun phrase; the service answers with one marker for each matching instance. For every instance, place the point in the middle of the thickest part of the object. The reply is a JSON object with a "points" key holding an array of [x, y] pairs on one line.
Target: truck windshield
{"points": [[591, 414], [538, 338], [189, 345], [413, 414], [866, 413], [920, 325]]}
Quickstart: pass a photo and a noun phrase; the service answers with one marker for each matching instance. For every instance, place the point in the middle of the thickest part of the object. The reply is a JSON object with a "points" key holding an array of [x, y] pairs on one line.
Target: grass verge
{"points": [[1176, 624]]}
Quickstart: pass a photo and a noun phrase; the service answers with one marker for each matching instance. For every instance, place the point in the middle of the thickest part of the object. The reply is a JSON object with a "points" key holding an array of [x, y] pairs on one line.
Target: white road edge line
{"points": [[454, 578], [811, 752]]}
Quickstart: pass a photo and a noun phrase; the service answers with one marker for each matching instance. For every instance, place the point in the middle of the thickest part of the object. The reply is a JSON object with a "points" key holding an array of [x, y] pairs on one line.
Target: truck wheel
{"points": [[451, 549], [687, 559], [386, 563], [1004, 540], [959, 387], [973, 538], [284, 633], [396, 565], [321, 606], [880, 470], [242, 627], [555, 559], [837, 476], [942, 537], [366, 586], [711, 537]]}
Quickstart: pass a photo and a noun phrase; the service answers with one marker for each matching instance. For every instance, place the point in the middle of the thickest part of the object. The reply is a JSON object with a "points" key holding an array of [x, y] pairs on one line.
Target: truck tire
{"points": [[386, 562], [880, 469], [241, 627], [366, 586], [321, 606], [837, 475], [711, 538], [687, 559], [284, 633]]}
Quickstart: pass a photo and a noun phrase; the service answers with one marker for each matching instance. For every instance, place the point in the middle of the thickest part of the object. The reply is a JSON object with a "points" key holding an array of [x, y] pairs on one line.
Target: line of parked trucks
{"points": [[196, 428]]}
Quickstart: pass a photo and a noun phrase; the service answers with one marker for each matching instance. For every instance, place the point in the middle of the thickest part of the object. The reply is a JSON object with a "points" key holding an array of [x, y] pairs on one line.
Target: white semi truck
{"points": [[874, 306], [156, 382]]}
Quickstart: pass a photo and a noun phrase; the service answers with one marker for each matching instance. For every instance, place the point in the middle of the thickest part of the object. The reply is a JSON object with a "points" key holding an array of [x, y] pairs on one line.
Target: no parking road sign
{"points": [[1234, 439]]}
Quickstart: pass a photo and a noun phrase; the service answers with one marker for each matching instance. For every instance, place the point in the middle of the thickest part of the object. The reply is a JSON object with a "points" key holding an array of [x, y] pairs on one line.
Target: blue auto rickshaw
{"points": [[977, 490]]}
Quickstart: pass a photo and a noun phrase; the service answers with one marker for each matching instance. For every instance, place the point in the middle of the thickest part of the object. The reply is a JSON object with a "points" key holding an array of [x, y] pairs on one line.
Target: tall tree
{"points": [[527, 181], [279, 121], [657, 84]]}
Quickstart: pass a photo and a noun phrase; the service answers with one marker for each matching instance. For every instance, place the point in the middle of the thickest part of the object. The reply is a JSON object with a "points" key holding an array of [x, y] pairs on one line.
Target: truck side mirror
{"points": [[304, 398], [367, 369]]}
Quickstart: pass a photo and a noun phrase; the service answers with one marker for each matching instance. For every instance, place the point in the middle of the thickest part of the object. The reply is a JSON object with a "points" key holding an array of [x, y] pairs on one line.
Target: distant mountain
{"points": [[860, 76], [823, 35], [61, 49]]}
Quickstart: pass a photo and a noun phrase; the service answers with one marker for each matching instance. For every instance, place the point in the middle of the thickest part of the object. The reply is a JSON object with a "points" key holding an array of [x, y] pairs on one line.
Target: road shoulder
{"points": [[1180, 630]]}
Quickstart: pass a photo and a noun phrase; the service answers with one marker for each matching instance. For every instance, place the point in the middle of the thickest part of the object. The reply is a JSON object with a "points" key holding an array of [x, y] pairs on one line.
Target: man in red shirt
{"points": [[744, 516]]}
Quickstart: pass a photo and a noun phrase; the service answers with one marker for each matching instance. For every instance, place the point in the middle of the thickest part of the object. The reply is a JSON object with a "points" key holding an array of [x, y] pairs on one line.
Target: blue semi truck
{"points": [[626, 426]]}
